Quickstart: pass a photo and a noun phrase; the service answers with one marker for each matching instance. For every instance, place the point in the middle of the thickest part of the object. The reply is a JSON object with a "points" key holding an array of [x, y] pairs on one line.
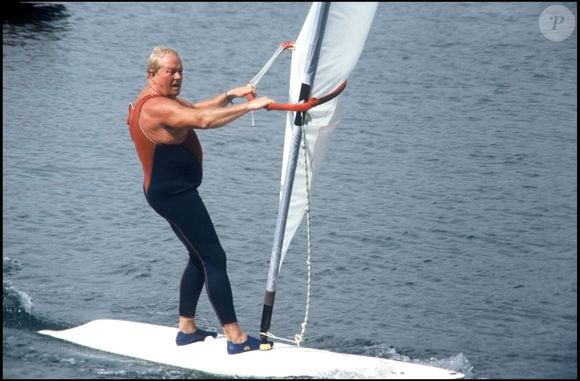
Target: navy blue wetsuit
{"points": [[172, 174]]}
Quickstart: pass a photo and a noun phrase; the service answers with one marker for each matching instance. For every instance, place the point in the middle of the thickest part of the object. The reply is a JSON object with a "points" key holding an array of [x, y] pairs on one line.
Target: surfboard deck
{"points": [[157, 344]]}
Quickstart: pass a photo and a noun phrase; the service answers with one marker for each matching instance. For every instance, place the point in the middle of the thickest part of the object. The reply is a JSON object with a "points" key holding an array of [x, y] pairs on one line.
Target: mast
{"points": [[286, 193]]}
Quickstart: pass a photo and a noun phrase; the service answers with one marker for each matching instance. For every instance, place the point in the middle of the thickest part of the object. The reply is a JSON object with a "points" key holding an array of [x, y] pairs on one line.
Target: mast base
{"points": [[266, 346]]}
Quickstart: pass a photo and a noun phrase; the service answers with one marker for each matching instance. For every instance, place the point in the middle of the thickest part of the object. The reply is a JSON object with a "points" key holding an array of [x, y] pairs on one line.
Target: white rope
{"points": [[270, 334], [300, 337], [266, 67], [254, 81]]}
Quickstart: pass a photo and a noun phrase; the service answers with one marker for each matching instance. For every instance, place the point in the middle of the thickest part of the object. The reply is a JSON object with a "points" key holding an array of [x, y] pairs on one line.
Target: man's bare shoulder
{"points": [[161, 105], [185, 102]]}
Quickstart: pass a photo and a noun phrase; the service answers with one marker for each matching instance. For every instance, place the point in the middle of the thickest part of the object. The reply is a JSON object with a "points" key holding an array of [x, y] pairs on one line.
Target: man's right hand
{"points": [[259, 103]]}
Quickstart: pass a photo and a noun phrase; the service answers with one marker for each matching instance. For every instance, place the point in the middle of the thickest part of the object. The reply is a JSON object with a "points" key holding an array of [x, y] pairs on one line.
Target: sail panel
{"points": [[346, 27]]}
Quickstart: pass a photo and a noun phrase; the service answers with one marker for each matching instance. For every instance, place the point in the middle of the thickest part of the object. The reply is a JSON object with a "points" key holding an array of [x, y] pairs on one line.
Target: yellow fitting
{"points": [[265, 346]]}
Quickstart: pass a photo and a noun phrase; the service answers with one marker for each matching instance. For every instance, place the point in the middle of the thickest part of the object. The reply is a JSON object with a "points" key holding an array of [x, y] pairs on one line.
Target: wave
{"points": [[457, 363], [18, 312], [366, 347]]}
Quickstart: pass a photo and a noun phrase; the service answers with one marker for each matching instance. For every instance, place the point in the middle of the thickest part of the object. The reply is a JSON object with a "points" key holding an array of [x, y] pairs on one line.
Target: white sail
{"points": [[325, 53], [343, 35]]}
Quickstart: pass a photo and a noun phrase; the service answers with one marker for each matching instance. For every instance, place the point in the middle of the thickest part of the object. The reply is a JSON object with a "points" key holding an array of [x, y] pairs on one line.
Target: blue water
{"points": [[444, 216]]}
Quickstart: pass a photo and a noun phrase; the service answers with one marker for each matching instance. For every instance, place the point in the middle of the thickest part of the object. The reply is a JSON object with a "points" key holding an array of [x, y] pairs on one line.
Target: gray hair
{"points": [[158, 53]]}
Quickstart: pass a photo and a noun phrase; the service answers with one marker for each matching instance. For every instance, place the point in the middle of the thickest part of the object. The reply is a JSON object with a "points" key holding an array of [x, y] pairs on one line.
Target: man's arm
{"points": [[174, 114], [224, 98]]}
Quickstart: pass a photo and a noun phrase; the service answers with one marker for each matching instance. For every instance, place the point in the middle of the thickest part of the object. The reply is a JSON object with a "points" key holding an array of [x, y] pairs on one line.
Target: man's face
{"points": [[169, 76]]}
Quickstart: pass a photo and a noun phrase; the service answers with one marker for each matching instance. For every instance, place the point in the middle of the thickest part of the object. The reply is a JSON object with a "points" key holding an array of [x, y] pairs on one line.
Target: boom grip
{"points": [[305, 106]]}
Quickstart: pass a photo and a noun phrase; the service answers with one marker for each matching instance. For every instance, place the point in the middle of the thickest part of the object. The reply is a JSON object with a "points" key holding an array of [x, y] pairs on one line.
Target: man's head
{"points": [[164, 71]]}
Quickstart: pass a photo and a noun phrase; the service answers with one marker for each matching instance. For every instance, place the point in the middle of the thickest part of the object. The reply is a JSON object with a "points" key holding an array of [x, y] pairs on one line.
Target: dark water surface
{"points": [[444, 216]]}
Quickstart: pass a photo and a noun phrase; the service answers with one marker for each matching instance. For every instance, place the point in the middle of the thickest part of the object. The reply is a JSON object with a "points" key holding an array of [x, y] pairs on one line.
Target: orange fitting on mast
{"points": [[287, 45]]}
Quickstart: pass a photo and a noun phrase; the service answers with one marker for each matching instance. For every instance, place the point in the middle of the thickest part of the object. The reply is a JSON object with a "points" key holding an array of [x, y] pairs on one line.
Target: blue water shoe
{"points": [[251, 344], [188, 338]]}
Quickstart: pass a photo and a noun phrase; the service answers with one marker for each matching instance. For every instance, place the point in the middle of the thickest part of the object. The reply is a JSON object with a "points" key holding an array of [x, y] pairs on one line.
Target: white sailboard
{"points": [[157, 344]]}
